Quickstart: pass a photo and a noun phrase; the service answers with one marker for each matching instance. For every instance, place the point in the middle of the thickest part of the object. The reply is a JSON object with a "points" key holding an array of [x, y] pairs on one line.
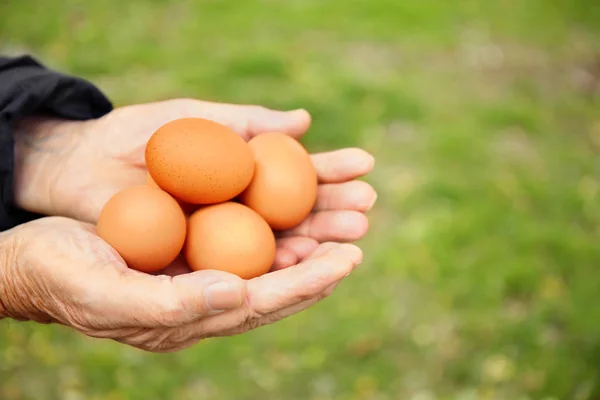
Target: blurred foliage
{"points": [[482, 267]]}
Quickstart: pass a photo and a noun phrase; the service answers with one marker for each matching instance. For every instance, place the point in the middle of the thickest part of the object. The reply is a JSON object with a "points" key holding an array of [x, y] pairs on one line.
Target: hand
{"points": [[57, 270], [71, 168]]}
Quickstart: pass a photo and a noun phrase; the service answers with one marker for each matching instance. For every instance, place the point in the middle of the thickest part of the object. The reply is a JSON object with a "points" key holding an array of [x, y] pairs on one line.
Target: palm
{"points": [[112, 152]]}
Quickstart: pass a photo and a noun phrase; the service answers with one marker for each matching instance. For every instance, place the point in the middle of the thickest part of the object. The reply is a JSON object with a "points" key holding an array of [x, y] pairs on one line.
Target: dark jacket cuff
{"points": [[27, 88]]}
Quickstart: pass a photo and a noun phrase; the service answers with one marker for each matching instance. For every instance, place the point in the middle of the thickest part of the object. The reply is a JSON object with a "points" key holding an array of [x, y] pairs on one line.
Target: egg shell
{"points": [[199, 161], [229, 237], [186, 207], [284, 186], [145, 225]]}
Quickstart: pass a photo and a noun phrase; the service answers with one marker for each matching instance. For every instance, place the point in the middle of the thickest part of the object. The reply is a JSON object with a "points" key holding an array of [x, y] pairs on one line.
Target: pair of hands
{"points": [[57, 270]]}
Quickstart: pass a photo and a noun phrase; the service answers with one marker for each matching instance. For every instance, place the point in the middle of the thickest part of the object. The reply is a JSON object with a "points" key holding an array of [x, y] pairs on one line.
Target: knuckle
{"points": [[171, 312], [177, 336], [313, 287], [253, 323], [268, 319], [305, 295], [305, 228], [251, 319]]}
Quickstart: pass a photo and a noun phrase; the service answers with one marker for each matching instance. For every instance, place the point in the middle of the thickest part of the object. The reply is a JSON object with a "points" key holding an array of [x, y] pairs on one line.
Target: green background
{"points": [[482, 266]]}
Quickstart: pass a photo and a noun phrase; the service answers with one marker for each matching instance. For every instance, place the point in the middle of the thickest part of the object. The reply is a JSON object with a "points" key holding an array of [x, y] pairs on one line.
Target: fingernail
{"points": [[297, 112], [223, 296], [351, 251], [372, 203], [369, 162]]}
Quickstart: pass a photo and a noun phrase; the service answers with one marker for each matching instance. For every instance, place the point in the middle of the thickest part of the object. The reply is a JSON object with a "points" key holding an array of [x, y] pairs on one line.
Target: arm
{"points": [[27, 89]]}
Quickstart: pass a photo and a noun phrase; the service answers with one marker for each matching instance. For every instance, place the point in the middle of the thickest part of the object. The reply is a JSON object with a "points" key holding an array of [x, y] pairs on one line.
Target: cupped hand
{"points": [[57, 270], [71, 168]]}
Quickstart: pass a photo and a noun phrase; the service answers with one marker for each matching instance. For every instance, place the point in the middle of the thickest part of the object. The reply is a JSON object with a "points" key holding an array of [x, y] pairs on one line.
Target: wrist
{"points": [[42, 146], [20, 294], [8, 250]]}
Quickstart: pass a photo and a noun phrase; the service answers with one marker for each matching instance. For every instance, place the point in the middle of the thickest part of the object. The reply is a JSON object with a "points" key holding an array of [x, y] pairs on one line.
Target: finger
{"points": [[251, 120], [188, 339], [284, 258], [342, 165], [179, 338], [323, 249], [301, 247], [280, 314], [278, 290], [134, 299], [262, 120], [336, 226], [353, 195]]}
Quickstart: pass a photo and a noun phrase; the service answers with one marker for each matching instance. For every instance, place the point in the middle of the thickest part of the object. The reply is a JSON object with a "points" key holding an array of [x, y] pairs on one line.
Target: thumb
{"points": [[161, 301]]}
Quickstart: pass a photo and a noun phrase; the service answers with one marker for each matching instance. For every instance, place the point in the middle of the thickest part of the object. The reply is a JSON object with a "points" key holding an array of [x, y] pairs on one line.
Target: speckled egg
{"points": [[285, 184], [145, 225], [199, 161], [229, 237]]}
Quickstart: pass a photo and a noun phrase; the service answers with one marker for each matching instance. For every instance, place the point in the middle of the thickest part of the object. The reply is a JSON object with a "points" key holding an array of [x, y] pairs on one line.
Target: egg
{"points": [[229, 237], [186, 207], [199, 161], [145, 225], [283, 189]]}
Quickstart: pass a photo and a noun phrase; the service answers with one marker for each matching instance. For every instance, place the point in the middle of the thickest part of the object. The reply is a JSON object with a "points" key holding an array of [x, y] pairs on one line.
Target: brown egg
{"points": [[199, 161], [284, 187], [229, 237], [145, 225], [186, 207]]}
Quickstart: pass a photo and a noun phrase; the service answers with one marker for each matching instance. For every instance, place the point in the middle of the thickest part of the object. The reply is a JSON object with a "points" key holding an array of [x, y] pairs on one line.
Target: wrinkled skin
{"points": [[57, 269], [62, 272]]}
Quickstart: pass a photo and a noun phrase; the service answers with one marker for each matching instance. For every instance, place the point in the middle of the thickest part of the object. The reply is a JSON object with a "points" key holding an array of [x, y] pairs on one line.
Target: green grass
{"points": [[482, 266]]}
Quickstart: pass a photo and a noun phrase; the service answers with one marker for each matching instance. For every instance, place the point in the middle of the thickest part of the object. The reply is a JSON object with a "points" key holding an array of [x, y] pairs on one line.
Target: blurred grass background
{"points": [[482, 269]]}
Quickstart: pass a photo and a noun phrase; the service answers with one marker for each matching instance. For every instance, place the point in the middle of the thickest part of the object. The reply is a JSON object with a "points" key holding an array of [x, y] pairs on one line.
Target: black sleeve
{"points": [[26, 88]]}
